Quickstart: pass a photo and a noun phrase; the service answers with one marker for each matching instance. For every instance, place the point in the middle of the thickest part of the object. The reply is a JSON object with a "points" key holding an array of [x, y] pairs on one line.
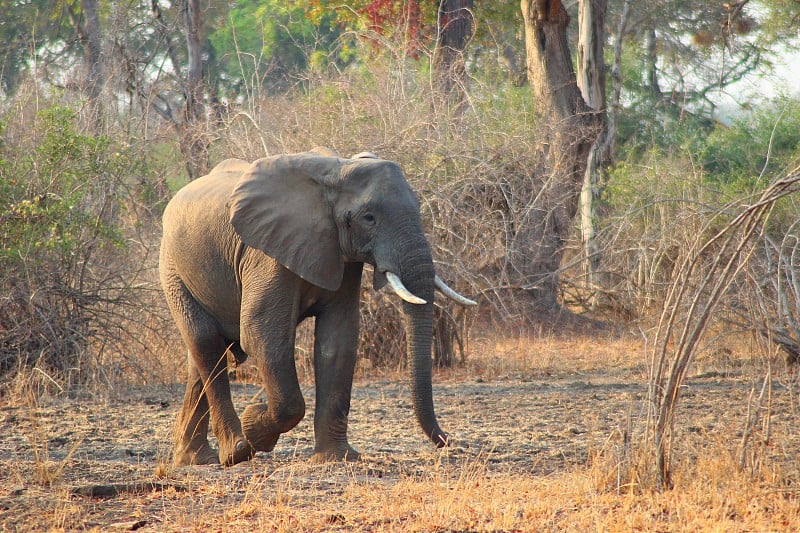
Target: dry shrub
{"points": [[382, 339], [653, 214], [474, 168], [770, 290], [78, 253], [703, 281]]}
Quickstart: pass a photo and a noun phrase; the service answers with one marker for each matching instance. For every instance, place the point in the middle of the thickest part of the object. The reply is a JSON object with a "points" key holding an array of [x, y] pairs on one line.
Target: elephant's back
{"points": [[209, 193], [199, 243], [203, 203]]}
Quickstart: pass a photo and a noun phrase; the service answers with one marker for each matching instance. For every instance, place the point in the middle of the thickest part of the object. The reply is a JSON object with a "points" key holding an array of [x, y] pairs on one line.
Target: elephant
{"points": [[251, 250]]}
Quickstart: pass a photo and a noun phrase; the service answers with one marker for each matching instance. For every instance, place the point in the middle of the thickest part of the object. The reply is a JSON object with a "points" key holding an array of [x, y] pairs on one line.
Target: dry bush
{"points": [[672, 258], [705, 274], [770, 290], [652, 213], [78, 256], [474, 168]]}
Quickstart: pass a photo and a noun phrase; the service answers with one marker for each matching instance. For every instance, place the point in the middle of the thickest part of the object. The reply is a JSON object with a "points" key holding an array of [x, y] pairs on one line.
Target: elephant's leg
{"points": [[335, 344], [264, 422], [191, 428], [208, 391], [210, 358]]}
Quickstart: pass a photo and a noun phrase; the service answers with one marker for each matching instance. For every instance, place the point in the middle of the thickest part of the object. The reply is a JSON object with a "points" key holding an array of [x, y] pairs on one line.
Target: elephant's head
{"points": [[313, 212]]}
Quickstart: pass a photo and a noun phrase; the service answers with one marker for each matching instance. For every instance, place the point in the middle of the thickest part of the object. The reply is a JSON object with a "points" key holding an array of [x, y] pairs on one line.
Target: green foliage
{"points": [[647, 121], [764, 142], [62, 205], [264, 41], [410, 24], [46, 205]]}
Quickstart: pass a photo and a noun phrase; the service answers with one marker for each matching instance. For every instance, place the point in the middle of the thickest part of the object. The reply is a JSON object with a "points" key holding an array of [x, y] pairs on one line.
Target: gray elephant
{"points": [[251, 250]]}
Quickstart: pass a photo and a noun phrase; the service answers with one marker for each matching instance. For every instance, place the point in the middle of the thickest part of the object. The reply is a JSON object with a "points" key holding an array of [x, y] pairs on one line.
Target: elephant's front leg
{"points": [[264, 422], [334, 364], [335, 345]]}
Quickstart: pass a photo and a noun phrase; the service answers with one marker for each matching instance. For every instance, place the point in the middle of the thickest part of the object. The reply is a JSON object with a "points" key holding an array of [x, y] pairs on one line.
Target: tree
{"points": [[268, 43], [454, 29], [592, 83], [193, 141], [678, 56], [29, 35], [168, 79], [93, 49], [570, 127]]}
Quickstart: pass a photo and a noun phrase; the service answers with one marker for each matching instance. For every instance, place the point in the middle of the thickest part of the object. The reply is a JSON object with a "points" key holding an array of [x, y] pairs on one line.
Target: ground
{"points": [[543, 441]]}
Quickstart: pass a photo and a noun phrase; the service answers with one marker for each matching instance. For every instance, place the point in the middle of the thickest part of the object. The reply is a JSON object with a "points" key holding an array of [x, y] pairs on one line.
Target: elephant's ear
{"points": [[280, 206]]}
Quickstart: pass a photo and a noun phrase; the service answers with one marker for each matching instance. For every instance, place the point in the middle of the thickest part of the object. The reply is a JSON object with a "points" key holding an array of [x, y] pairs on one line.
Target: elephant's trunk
{"points": [[417, 274]]}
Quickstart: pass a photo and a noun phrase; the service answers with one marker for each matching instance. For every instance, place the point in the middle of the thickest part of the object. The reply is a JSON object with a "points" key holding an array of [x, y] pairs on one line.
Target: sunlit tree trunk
{"points": [[569, 128], [592, 83]]}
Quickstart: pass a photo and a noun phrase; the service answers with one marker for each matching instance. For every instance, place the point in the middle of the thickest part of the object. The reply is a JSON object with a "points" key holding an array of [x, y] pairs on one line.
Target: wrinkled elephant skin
{"points": [[251, 250]]}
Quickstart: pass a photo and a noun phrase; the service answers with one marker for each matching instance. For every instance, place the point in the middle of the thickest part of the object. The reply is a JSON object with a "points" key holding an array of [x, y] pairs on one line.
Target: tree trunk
{"points": [[95, 78], [194, 143], [651, 63], [455, 23], [87, 27], [569, 128], [592, 83]]}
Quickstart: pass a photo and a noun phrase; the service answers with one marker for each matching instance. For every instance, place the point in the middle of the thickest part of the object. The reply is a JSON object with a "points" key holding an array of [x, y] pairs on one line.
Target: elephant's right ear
{"points": [[280, 206]]}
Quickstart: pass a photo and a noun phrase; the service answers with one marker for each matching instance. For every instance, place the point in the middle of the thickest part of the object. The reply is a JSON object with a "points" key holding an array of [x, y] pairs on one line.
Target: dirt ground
{"points": [[108, 458]]}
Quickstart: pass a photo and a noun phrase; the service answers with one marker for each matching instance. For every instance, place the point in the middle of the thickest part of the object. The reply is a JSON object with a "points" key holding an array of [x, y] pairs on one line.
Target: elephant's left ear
{"points": [[280, 206]]}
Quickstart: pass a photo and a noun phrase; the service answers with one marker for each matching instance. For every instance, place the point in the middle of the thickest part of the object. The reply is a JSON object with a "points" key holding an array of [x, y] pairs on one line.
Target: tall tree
{"points": [[454, 30], [592, 83], [91, 38], [170, 79], [570, 127], [680, 55], [194, 142]]}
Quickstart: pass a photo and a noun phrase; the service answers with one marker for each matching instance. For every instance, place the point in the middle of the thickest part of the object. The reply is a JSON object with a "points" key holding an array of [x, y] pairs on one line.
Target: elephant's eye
{"points": [[369, 218]]}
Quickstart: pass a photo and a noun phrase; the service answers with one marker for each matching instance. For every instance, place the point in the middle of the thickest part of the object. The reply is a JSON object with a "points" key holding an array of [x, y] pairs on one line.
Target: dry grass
{"points": [[551, 434]]}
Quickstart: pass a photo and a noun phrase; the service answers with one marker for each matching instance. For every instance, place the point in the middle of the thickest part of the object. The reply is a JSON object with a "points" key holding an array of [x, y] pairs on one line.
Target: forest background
{"points": [[662, 199]]}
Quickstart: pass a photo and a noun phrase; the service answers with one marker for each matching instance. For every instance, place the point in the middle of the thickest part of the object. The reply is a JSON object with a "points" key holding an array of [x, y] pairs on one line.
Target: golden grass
{"points": [[611, 489], [710, 495]]}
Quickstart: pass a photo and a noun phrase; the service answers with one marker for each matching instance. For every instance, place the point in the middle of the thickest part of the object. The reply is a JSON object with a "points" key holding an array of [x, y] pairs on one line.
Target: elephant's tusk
{"points": [[401, 290], [450, 293]]}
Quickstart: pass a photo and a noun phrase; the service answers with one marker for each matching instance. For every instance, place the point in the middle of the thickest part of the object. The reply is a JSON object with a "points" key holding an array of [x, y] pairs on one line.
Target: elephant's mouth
{"points": [[381, 278]]}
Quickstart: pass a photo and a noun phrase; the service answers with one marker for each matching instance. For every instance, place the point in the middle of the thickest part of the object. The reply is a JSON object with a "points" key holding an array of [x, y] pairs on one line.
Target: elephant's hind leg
{"points": [[208, 391], [191, 429], [209, 354]]}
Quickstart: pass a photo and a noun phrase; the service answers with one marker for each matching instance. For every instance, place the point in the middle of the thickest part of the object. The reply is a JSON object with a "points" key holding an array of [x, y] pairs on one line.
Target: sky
{"points": [[755, 88]]}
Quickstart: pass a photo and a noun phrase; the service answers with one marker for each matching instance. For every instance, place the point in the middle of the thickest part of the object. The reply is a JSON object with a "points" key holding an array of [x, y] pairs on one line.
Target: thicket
{"points": [[80, 212], [77, 249]]}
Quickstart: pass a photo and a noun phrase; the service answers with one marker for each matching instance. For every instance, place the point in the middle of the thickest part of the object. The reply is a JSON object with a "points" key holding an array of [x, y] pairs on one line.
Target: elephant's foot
{"points": [[237, 452], [253, 428], [195, 454], [338, 453]]}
